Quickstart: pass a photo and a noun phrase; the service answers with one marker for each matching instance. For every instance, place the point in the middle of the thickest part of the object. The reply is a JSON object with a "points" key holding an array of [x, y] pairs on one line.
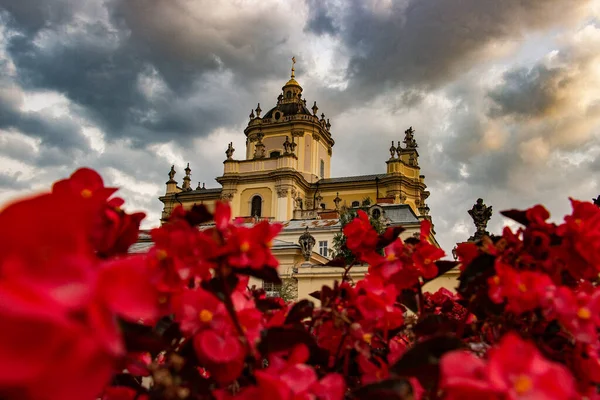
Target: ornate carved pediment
{"points": [[227, 196], [282, 191]]}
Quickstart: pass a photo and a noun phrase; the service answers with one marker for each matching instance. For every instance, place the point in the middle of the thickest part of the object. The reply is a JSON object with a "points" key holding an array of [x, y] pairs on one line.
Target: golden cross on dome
{"points": [[293, 70]]}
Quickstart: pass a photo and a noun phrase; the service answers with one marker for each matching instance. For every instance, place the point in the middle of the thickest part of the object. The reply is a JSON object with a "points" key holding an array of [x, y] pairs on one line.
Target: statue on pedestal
{"points": [[307, 242], [481, 215], [229, 151]]}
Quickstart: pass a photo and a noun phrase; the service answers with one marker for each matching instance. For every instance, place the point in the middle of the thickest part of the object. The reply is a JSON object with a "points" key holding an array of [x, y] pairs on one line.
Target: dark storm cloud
{"points": [[61, 131], [96, 62], [530, 92], [10, 180], [430, 42], [319, 20]]}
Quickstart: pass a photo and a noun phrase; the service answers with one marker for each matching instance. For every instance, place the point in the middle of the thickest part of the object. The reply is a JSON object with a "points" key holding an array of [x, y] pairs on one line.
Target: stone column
{"points": [[282, 204]]}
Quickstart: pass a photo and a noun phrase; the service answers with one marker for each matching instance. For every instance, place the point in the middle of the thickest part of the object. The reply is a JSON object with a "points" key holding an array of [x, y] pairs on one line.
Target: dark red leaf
{"points": [[300, 310], [519, 216], [422, 360], [337, 262], [266, 274], [389, 236], [316, 294], [433, 324], [197, 215], [391, 389], [443, 267], [141, 338], [220, 287], [278, 339], [408, 298], [269, 303], [412, 240]]}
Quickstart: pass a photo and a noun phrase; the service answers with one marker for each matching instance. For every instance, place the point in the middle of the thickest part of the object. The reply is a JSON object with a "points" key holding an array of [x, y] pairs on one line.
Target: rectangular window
{"points": [[323, 250], [272, 289], [322, 169]]}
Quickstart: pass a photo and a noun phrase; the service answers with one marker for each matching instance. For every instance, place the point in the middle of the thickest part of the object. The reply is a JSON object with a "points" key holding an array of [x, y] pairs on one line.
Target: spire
{"points": [[293, 69]]}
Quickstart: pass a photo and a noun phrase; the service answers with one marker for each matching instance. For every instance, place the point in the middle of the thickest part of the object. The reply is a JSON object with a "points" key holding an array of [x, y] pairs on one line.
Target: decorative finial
{"points": [[315, 108], [203, 185], [258, 111], [337, 201], [293, 69], [198, 187], [481, 215], [251, 114], [328, 125], [597, 201], [186, 179], [392, 150], [172, 175], [306, 242], [229, 151]]}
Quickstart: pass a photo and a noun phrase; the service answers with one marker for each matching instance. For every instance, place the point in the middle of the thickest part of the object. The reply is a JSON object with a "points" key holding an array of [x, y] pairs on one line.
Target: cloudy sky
{"points": [[504, 95]]}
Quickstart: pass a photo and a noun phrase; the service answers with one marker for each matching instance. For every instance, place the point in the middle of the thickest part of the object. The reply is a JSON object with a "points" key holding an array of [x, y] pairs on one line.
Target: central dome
{"points": [[287, 109]]}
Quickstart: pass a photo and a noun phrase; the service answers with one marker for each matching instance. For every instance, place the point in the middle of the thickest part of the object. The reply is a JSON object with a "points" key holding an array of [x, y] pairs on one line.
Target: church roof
{"points": [[288, 109], [359, 178]]}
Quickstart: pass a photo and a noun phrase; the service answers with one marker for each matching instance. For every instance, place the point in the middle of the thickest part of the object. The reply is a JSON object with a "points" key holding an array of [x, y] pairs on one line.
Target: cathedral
{"points": [[284, 175]]}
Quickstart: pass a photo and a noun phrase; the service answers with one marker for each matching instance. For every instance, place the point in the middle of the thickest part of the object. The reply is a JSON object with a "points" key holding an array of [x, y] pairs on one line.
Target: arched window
{"points": [[288, 94], [376, 213], [256, 207], [356, 204]]}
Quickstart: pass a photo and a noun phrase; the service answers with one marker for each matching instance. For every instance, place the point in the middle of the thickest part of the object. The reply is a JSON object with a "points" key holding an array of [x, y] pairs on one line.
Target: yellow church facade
{"points": [[283, 175]]}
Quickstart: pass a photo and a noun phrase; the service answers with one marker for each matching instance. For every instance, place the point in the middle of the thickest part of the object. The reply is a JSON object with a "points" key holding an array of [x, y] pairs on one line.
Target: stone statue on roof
{"points": [[481, 215], [409, 138], [306, 242]]}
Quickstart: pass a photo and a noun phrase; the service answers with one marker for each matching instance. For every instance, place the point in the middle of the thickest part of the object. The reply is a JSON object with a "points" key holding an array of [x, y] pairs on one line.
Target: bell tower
{"points": [[290, 128]]}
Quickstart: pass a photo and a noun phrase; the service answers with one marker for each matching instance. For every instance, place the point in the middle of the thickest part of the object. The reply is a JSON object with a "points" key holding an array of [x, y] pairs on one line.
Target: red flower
{"points": [[251, 247], [197, 310], [377, 304], [523, 291], [466, 253], [579, 313], [361, 237], [515, 370], [115, 230], [291, 380], [372, 372]]}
